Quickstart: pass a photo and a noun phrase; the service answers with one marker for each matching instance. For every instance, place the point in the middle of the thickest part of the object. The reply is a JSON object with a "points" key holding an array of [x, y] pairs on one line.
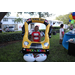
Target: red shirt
{"points": [[36, 36]]}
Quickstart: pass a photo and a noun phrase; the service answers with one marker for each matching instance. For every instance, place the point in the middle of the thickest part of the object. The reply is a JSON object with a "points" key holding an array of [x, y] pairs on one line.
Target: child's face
{"points": [[36, 28]]}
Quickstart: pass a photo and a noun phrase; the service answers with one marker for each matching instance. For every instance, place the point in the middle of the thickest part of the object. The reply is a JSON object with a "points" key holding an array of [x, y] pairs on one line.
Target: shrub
{"points": [[10, 37], [57, 30], [56, 27], [42, 30]]}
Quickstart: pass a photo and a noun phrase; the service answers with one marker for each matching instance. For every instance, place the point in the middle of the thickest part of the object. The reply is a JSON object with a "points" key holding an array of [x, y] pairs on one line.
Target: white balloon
{"points": [[29, 57], [41, 57]]}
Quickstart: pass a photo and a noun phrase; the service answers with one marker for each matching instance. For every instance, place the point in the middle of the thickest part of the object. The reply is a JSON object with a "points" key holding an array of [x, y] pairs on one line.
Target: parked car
{"points": [[0, 30], [9, 29]]}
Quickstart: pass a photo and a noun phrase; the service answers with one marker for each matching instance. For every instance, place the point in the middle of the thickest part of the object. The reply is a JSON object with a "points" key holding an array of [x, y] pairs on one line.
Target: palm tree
{"points": [[18, 20]]}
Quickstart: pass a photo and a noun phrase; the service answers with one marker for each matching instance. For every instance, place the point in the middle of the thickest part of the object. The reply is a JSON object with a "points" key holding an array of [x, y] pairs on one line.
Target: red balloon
{"points": [[73, 17]]}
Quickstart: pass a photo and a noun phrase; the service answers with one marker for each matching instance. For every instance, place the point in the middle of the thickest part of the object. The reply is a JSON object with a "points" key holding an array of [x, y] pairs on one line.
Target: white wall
{"points": [[65, 26], [10, 22], [41, 26]]}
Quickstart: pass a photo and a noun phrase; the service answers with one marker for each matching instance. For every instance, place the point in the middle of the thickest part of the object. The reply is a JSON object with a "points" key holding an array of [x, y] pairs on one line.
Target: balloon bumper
{"points": [[41, 54], [39, 57], [29, 57]]}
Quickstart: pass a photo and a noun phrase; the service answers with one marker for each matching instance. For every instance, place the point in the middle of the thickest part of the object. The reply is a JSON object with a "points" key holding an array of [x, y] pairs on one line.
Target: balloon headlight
{"points": [[46, 44], [26, 43]]}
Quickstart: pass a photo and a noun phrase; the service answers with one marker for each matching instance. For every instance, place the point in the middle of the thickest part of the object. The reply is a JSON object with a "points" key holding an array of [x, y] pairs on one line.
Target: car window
{"points": [[11, 27]]}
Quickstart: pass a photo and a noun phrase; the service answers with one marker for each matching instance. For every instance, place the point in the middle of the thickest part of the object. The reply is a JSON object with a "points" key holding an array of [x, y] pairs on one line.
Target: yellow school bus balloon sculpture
{"points": [[35, 47]]}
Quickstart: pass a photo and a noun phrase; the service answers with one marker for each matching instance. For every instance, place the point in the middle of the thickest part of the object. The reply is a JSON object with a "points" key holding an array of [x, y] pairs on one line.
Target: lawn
{"points": [[10, 53]]}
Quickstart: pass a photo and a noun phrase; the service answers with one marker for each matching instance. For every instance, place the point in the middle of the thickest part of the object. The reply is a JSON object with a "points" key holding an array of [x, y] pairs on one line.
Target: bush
{"points": [[43, 30], [10, 37], [56, 27], [57, 30]]}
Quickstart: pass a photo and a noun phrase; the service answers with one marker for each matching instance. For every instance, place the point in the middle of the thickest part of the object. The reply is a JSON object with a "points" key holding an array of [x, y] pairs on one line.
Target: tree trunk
{"points": [[2, 14], [39, 14]]}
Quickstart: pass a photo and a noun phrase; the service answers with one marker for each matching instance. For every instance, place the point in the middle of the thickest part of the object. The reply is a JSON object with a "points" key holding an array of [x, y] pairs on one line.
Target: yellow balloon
{"points": [[74, 20], [70, 16]]}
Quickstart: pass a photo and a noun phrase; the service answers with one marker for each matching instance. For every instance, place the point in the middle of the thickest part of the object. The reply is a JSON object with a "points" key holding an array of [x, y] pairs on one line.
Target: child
{"points": [[36, 37], [61, 33]]}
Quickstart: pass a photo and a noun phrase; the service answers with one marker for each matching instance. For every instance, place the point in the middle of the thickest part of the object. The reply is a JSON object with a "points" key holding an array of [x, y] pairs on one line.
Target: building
{"points": [[56, 23], [9, 21]]}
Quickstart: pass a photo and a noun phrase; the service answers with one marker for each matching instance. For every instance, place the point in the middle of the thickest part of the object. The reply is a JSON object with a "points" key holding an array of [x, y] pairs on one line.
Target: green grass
{"points": [[10, 53]]}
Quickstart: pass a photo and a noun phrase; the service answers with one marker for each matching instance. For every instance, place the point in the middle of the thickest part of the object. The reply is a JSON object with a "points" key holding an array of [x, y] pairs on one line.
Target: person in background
{"points": [[71, 27], [61, 33], [50, 29]]}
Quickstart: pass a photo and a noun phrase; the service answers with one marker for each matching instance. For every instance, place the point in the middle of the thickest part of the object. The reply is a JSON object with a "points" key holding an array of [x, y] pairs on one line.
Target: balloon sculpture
{"points": [[72, 18]]}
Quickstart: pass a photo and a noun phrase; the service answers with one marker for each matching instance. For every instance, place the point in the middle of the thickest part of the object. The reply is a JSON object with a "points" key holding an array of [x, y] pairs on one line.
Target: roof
{"points": [[12, 17]]}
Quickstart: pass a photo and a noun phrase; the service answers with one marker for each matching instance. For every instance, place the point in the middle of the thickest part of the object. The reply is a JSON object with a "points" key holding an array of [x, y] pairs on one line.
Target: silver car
{"points": [[9, 29]]}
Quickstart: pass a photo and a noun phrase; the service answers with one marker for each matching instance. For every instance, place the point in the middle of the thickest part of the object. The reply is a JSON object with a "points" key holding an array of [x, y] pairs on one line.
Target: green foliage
{"points": [[41, 14], [10, 37], [18, 20], [42, 30], [8, 14], [56, 27], [64, 18]]}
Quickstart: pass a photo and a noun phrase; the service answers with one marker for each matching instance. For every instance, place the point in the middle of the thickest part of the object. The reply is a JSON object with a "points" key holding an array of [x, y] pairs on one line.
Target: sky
{"points": [[49, 18]]}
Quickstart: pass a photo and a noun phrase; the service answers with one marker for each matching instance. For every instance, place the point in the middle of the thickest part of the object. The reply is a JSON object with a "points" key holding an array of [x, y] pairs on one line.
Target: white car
{"points": [[9, 29]]}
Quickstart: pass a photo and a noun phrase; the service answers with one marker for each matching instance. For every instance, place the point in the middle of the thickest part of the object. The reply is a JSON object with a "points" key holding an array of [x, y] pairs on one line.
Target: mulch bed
{"points": [[7, 43]]}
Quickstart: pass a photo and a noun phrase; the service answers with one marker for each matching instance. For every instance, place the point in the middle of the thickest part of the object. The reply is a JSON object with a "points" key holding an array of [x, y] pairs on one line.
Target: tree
{"points": [[41, 14], [64, 18], [18, 20]]}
